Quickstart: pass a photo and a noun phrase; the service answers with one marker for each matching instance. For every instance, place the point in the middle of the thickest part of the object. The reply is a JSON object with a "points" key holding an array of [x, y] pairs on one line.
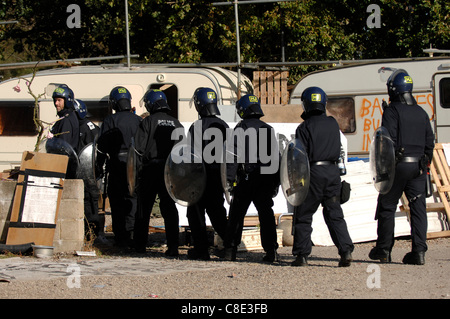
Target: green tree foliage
{"points": [[195, 31]]}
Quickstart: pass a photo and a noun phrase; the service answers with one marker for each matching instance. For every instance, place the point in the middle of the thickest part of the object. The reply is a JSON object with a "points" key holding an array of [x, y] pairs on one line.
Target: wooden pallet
{"points": [[271, 87], [440, 177]]}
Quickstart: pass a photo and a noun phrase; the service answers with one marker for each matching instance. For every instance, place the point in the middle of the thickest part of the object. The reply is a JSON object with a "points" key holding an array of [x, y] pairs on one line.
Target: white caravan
{"points": [[355, 95], [92, 84]]}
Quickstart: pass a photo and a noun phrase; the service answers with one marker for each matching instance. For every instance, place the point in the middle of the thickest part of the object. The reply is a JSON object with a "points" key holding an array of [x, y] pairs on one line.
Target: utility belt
{"points": [[322, 163], [422, 160], [409, 159]]}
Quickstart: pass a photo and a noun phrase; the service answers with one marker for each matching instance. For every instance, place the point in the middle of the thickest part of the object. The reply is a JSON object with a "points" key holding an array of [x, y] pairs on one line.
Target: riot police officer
{"points": [[89, 131], [212, 201], [66, 127], [410, 129], [153, 143], [115, 138], [256, 180], [320, 136], [88, 134]]}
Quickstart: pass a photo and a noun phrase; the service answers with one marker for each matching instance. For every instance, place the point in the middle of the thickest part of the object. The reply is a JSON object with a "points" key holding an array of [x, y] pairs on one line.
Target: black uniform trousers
{"points": [[212, 202], [92, 220], [408, 179], [123, 205], [257, 188], [324, 188], [151, 183]]}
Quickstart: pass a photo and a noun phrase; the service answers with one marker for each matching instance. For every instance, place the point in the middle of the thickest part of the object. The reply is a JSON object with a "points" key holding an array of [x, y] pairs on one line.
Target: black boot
{"points": [[414, 258], [230, 254], [383, 255], [271, 256], [171, 252], [197, 254], [346, 259], [300, 261]]}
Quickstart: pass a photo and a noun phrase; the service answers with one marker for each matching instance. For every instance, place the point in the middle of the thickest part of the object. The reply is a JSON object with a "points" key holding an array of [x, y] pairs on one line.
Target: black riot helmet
{"points": [[64, 92], [314, 100], [400, 86], [81, 109], [249, 106], [156, 101], [205, 100], [120, 99]]}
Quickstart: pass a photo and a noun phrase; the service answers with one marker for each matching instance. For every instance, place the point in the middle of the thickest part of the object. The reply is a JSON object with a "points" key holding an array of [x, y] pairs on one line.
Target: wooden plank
{"points": [[270, 86], [445, 188], [440, 170], [443, 159], [284, 88], [22, 231], [439, 234], [262, 88], [256, 91], [277, 88]]}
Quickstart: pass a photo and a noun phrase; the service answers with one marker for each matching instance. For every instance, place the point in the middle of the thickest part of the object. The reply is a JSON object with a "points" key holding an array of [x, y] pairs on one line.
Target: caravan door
{"points": [[441, 93]]}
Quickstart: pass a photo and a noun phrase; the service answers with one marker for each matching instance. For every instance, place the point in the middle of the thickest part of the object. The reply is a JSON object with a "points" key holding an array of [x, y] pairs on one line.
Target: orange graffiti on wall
{"points": [[371, 112]]}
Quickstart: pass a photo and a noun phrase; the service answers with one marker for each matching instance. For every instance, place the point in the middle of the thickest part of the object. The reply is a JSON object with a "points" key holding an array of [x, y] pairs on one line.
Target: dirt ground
{"points": [[249, 278]]}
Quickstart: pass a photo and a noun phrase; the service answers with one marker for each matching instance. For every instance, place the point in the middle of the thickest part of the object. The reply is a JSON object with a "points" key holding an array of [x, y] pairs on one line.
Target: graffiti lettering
{"points": [[371, 113]]}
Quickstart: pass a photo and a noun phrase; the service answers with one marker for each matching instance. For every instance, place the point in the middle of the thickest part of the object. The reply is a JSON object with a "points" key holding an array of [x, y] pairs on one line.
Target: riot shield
{"points": [[131, 169], [86, 167], [59, 146], [184, 175], [228, 157], [382, 160], [223, 178], [294, 173]]}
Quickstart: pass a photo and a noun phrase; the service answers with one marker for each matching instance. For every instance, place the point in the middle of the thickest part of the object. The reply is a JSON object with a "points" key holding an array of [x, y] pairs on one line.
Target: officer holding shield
{"points": [[257, 179], [88, 134], [116, 133], [212, 200], [66, 127], [410, 130], [153, 143], [320, 137]]}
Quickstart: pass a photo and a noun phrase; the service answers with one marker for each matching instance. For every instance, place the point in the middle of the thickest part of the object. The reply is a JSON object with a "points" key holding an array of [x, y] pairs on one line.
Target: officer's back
{"points": [[156, 142], [322, 133], [118, 129], [409, 127]]}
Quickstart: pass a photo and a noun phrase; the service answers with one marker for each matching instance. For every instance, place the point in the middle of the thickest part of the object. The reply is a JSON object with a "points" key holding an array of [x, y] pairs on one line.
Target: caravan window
{"points": [[97, 109], [343, 110], [444, 90], [16, 118]]}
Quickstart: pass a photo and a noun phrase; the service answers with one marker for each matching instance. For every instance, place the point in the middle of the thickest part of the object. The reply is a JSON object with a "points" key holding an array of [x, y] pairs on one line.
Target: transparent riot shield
{"points": [[228, 157], [184, 175], [86, 166], [382, 160], [294, 173]]}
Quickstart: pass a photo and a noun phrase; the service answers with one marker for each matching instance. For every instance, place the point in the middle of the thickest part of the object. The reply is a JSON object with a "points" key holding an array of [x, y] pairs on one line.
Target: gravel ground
{"points": [[249, 278]]}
